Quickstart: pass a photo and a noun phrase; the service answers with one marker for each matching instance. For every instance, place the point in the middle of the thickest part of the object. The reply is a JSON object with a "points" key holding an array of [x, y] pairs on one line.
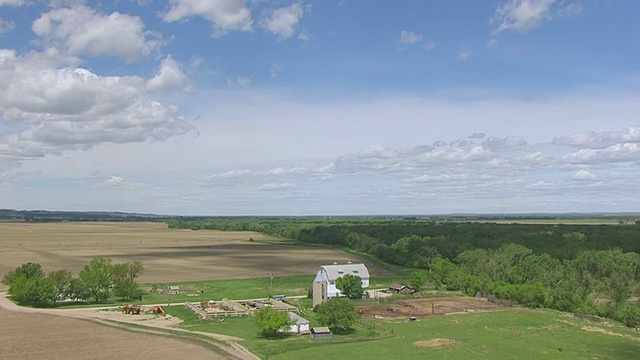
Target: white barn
{"points": [[324, 285]]}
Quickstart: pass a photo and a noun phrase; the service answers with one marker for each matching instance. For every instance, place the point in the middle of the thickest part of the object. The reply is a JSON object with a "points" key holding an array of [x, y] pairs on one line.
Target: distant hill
{"points": [[54, 216]]}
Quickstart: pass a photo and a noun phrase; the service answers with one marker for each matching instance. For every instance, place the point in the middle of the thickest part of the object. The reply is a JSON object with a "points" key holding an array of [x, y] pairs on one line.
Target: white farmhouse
{"points": [[324, 285]]}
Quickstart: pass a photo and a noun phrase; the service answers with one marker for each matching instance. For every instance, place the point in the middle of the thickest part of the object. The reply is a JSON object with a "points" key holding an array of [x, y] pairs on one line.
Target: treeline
{"points": [[590, 269], [98, 280], [379, 237]]}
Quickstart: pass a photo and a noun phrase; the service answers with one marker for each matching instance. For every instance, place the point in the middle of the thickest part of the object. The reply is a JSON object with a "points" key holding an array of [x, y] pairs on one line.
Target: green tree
{"points": [[417, 280], [337, 314], [351, 286], [77, 290], [124, 277], [629, 314], [28, 285], [96, 277], [27, 271], [270, 321], [61, 280], [42, 292]]}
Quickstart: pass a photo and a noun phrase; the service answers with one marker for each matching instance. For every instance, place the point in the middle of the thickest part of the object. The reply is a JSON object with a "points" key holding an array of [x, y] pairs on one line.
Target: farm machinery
{"points": [[131, 309], [159, 310]]}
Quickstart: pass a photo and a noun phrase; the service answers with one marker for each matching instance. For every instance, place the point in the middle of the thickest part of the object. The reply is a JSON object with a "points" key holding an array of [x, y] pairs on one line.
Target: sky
{"points": [[332, 107]]}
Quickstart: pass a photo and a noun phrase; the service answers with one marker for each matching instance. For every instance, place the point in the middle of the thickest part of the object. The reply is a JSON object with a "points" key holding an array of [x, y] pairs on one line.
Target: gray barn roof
{"points": [[337, 271], [297, 318]]}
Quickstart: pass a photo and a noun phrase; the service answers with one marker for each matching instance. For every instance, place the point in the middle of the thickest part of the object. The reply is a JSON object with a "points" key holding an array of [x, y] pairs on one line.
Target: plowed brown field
{"points": [[27, 336], [168, 255]]}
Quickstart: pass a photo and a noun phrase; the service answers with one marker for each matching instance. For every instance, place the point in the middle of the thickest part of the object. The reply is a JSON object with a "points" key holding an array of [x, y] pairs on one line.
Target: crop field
{"points": [[29, 336], [167, 254]]}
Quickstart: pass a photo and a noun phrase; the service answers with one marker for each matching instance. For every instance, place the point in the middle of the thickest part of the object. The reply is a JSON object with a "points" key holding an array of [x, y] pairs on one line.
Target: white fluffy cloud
{"points": [[226, 15], [598, 140], [51, 109], [276, 186], [409, 37], [583, 175], [478, 168], [282, 22], [118, 182], [615, 153], [524, 15], [521, 15], [83, 31], [12, 2], [169, 77]]}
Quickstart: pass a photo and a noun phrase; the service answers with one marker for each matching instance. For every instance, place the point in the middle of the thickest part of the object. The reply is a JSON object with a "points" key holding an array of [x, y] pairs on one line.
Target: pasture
{"points": [[169, 255], [495, 334]]}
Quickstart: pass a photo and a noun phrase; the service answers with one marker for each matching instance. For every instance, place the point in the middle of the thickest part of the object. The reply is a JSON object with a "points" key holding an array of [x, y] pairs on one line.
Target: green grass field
{"points": [[507, 334]]}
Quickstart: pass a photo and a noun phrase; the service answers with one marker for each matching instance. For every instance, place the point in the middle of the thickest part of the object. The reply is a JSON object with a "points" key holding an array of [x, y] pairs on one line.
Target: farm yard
{"points": [[168, 255], [424, 307], [206, 267]]}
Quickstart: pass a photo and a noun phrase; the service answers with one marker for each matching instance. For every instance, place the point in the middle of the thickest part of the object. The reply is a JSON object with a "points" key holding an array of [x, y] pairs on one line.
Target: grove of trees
{"points": [[99, 280]]}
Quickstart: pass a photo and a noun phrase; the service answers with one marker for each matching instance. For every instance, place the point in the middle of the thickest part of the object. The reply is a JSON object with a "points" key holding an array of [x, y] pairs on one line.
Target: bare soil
{"points": [[425, 307], [167, 254], [29, 336]]}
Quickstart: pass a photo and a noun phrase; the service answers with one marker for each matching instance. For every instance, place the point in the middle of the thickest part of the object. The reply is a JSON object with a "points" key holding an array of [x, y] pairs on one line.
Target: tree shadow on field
{"points": [[274, 336]]}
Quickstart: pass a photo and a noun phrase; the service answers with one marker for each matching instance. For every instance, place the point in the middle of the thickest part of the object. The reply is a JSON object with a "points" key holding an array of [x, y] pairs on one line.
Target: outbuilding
{"points": [[400, 289], [299, 325], [173, 290], [321, 333]]}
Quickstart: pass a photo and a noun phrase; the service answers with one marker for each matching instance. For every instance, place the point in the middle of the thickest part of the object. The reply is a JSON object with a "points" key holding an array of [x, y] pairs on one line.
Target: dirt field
{"points": [[425, 307], [39, 336], [168, 255]]}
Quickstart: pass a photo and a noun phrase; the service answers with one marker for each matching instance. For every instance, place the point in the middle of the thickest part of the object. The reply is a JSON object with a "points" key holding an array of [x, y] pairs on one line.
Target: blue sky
{"points": [[253, 107]]}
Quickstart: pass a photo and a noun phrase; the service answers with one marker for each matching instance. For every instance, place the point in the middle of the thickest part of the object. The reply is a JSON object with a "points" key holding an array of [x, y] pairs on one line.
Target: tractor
{"points": [[131, 309]]}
